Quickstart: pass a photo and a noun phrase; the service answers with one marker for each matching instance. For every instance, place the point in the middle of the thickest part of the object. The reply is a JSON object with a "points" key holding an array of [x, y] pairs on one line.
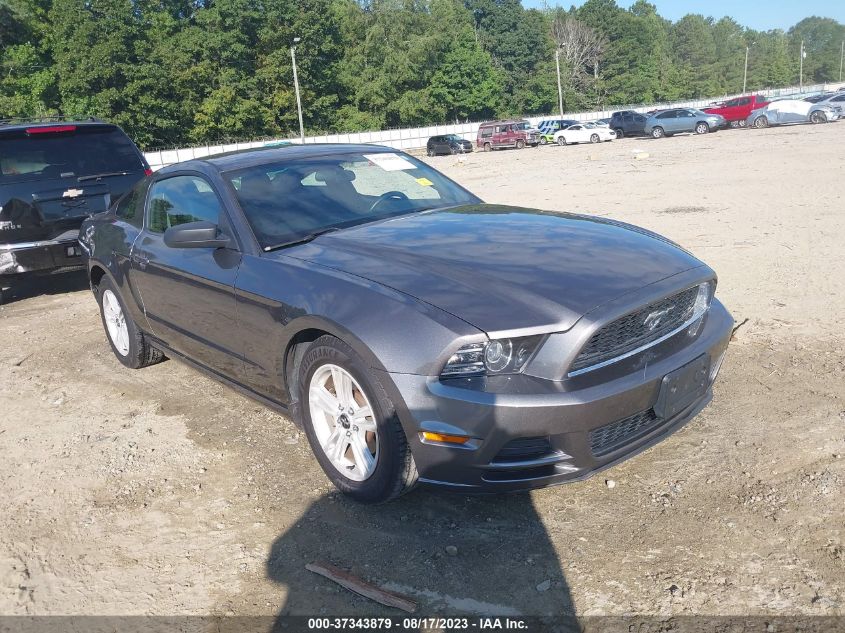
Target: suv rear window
{"points": [[84, 151]]}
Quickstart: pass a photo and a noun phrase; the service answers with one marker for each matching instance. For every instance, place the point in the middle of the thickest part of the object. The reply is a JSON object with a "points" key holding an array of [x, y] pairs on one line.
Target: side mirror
{"points": [[196, 235]]}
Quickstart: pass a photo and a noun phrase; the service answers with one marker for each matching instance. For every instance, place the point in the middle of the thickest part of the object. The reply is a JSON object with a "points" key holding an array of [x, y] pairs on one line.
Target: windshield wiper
{"points": [[106, 175], [302, 240]]}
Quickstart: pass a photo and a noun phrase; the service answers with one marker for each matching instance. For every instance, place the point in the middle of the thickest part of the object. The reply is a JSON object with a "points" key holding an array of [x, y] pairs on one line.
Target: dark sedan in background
{"points": [[447, 144], [416, 333]]}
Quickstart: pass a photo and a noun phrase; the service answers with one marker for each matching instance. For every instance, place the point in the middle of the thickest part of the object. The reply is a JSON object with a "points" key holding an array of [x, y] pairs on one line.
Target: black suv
{"points": [[628, 123], [447, 144], [53, 174]]}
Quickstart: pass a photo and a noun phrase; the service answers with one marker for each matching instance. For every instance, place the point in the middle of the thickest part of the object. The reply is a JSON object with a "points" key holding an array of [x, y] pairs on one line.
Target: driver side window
{"points": [[180, 200]]}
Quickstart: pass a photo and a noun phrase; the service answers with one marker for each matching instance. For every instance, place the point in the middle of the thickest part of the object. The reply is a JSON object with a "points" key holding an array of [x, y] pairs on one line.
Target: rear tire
{"points": [[658, 132], [761, 122], [128, 343], [742, 123], [393, 472], [543, 140]]}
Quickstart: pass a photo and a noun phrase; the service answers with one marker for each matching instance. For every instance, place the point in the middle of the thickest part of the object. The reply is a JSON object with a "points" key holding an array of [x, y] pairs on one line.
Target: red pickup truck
{"points": [[738, 109]]}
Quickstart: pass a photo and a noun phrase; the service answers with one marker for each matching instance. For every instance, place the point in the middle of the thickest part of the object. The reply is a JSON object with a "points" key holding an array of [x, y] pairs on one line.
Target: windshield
{"points": [[287, 201], [84, 152], [524, 125], [454, 137]]}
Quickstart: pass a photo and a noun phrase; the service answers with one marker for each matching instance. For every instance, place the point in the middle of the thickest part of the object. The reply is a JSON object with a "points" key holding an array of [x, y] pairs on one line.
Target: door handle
{"points": [[140, 260]]}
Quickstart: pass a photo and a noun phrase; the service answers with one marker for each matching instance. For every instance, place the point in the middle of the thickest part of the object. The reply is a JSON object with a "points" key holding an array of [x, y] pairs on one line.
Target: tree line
{"points": [[176, 72]]}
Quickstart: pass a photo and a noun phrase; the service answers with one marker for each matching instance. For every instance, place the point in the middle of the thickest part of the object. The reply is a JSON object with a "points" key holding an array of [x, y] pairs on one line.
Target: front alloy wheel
{"points": [[343, 422], [594, 138], [352, 424], [818, 117], [702, 128]]}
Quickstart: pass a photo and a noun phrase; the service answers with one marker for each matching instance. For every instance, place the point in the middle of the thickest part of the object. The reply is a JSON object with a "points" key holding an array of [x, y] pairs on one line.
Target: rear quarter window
{"points": [[130, 208]]}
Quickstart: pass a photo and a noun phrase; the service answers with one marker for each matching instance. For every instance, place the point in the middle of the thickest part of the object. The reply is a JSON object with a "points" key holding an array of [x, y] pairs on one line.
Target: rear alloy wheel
{"points": [[658, 132], [818, 117], [520, 143], [760, 122], [620, 133], [742, 123], [127, 342], [702, 128], [488, 147], [352, 425], [561, 141], [594, 138]]}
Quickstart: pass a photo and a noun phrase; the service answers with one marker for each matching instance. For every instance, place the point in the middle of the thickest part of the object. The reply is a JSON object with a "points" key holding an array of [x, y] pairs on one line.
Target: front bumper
{"points": [[49, 256], [567, 418]]}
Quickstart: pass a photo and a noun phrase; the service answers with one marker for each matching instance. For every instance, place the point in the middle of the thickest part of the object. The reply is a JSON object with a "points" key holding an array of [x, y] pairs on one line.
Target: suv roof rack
{"points": [[57, 118]]}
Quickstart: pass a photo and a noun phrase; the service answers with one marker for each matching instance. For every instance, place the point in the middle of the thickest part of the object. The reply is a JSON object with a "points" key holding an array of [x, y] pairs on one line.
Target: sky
{"points": [[760, 15]]}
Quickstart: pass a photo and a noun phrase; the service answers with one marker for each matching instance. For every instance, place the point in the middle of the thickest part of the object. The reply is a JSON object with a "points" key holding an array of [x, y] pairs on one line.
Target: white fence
{"points": [[415, 138]]}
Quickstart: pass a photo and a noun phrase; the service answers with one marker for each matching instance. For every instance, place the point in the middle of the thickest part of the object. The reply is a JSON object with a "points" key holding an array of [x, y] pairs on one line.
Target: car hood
{"points": [[501, 268]]}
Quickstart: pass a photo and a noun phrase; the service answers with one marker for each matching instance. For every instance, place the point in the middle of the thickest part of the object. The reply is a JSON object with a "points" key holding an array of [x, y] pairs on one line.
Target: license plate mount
{"points": [[682, 387]]}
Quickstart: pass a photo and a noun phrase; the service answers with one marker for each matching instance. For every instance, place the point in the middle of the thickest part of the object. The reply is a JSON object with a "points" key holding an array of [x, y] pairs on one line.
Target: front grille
{"points": [[636, 329], [524, 449], [613, 436]]}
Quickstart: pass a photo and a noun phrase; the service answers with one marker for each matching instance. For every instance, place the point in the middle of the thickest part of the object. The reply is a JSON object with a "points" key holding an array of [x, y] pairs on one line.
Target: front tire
{"points": [[594, 138], [702, 128], [488, 147], [127, 342], [561, 141], [430, 152], [352, 424], [620, 133], [520, 144], [658, 132], [818, 117]]}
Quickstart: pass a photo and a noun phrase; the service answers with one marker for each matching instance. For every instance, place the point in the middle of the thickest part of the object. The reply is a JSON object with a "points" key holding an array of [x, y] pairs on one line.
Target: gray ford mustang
{"points": [[416, 333]]}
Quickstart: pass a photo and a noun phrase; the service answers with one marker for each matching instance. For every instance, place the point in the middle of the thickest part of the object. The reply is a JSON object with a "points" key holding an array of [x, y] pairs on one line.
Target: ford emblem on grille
{"points": [[654, 318]]}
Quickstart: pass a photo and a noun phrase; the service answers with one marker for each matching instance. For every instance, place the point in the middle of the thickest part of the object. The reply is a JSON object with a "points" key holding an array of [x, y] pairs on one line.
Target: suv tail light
{"points": [[51, 129]]}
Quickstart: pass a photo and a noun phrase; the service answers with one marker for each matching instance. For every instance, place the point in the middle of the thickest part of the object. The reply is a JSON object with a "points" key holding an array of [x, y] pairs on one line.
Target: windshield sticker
{"points": [[390, 161], [425, 182]]}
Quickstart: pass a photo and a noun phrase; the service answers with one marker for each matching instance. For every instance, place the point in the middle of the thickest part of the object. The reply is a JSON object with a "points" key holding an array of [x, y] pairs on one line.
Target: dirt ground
{"points": [[161, 492]]}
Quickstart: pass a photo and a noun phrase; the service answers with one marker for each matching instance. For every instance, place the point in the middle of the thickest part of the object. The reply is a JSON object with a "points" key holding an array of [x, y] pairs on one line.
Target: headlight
{"points": [[701, 305], [499, 356]]}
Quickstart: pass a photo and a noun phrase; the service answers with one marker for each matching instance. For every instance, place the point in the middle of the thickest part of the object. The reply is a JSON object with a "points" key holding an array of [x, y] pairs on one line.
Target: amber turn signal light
{"points": [[446, 439]]}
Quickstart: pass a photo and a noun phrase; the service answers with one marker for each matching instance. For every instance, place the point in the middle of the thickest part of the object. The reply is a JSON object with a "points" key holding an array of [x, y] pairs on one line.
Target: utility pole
{"points": [[841, 58], [801, 67], [296, 41], [559, 89], [745, 74]]}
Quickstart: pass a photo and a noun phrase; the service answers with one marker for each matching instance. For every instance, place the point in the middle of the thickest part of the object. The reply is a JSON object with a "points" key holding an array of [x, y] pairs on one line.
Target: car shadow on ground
{"points": [[504, 562], [29, 287]]}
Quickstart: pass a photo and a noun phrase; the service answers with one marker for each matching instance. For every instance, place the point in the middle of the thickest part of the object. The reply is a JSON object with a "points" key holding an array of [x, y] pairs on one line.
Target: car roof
{"points": [[262, 155], [18, 124]]}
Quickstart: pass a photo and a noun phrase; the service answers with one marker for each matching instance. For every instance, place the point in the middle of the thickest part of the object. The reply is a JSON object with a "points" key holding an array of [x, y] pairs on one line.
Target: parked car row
{"points": [[751, 110]]}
